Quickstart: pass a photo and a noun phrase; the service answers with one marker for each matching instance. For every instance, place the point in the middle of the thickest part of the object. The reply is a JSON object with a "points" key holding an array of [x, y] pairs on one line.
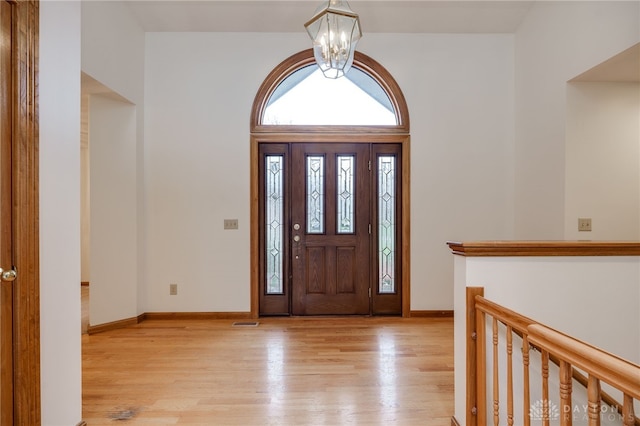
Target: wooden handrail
{"points": [[504, 315], [544, 248], [620, 373]]}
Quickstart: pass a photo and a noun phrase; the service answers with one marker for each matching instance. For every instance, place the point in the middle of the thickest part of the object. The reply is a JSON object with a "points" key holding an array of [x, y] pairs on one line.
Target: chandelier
{"points": [[335, 31]]}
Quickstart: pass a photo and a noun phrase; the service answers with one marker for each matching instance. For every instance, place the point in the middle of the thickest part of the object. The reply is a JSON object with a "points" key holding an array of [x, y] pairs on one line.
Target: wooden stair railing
{"points": [[601, 366], [566, 352]]}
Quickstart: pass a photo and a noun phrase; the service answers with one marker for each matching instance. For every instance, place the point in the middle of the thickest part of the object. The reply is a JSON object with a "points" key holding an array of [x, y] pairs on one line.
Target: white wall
{"points": [[603, 160], [556, 42], [114, 250], [113, 54], [199, 92], [59, 104], [113, 48], [470, 180], [595, 299]]}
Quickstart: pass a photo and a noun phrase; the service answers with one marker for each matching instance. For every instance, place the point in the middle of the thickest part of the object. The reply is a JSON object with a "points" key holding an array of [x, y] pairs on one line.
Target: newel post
{"points": [[472, 353]]}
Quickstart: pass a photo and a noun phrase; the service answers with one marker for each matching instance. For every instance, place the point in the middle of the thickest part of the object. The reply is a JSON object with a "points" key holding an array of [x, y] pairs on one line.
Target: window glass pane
{"points": [[273, 217], [345, 194], [306, 97], [386, 224], [315, 194]]}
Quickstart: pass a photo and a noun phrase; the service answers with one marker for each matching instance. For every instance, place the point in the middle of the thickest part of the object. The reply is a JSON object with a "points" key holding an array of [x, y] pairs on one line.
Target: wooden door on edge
{"points": [[6, 287]]}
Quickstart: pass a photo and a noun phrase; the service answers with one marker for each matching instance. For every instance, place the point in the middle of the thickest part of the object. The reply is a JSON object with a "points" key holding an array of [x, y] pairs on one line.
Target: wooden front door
{"points": [[330, 229], [19, 246], [330, 216], [6, 288]]}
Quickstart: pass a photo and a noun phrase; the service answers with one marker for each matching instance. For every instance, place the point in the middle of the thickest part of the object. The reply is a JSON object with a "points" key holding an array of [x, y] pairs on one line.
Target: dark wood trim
{"points": [[113, 325], [127, 322], [544, 248], [84, 283], [406, 227], [431, 314], [454, 421], [26, 295], [82, 423], [254, 237], [197, 316]]}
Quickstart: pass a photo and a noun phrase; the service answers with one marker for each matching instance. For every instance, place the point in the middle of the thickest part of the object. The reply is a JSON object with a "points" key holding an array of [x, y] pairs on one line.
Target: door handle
{"points": [[9, 275]]}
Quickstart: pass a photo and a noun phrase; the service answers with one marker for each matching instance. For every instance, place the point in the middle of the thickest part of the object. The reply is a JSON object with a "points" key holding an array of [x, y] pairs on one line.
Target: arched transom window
{"points": [[297, 94]]}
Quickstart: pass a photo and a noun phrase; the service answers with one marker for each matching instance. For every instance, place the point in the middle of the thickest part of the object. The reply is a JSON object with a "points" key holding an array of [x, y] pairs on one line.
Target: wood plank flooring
{"points": [[285, 371]]}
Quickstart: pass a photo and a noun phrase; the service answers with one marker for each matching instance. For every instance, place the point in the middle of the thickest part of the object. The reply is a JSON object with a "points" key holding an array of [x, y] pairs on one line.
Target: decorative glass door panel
{"points": [[274, 223], [386, 223], [274, 235]]}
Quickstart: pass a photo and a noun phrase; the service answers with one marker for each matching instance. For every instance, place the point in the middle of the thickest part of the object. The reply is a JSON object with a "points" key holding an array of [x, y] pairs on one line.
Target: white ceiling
{"points": [[376, 16], [391, 16]]}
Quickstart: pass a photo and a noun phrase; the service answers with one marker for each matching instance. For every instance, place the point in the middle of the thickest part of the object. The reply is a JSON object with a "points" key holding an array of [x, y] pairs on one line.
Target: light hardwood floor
{"points": [[285, 371]]}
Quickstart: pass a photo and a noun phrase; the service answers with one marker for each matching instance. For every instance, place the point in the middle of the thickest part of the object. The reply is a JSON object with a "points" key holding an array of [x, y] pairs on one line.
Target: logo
{"points": [[544, 409]]}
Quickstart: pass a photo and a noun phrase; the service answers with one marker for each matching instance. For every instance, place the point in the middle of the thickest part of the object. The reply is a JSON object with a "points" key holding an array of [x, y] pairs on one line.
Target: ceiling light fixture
{"points": [[335, 31]]}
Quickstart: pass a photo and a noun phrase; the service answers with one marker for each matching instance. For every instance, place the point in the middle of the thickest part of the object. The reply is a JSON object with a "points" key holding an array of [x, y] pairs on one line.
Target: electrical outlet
{"points": [[173, 289], [231, 224], [584, 224]]}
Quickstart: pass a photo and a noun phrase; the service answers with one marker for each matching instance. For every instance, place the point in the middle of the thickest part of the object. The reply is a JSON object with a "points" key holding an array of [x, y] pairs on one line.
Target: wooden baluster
{"points": [[509, 376], [481, 365], [628, 416], [526, 398], [545, 388], [565, 394], [496, 387], [593, 394]]}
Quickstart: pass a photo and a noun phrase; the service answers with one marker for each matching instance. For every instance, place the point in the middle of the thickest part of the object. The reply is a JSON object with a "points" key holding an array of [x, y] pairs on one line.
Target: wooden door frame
{"points": [[257, 139], [25, 175]]}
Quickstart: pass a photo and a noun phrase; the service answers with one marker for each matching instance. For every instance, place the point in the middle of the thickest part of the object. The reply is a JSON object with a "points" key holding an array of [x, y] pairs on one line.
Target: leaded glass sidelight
{"points": [[345, 195], [386, 224], [274, 223], [315, 194]]}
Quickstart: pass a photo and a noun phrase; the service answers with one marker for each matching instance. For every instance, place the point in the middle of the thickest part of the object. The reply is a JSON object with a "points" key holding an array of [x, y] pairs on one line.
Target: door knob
{"points": [[9, 275], [296, 226], [296, 238]]}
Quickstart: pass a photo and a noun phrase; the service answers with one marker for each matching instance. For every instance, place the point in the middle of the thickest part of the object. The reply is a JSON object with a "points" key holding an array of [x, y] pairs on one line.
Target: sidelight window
{"points": [[274, 218], [386, 224]]}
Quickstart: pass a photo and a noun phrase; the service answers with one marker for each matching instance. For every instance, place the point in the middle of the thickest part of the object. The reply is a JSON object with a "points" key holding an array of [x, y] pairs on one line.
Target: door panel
{"points": [[330, 205], [6, 290]]}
